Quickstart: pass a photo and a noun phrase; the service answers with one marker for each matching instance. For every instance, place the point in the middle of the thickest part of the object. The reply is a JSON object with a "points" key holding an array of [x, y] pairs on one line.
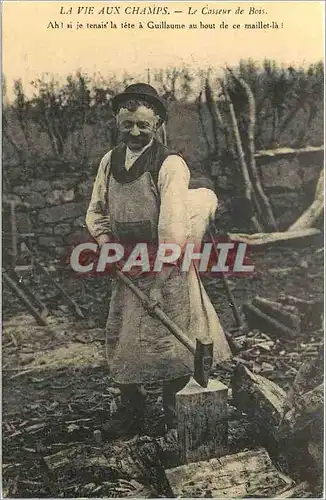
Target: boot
{"points": [[170, 388], [128, 420]]}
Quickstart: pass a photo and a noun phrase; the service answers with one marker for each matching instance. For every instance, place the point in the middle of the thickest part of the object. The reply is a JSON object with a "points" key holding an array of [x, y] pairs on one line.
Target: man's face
{"points": [[138, 127]]}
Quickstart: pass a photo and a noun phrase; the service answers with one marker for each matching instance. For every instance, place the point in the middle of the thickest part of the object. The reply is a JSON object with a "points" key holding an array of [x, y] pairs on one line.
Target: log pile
{"points": [[290, 423], [284, 318], [285, 346]]}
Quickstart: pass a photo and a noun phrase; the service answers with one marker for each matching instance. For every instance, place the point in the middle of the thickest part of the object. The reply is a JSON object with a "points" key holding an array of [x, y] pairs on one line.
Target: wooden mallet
{"points": [[201, 406]]}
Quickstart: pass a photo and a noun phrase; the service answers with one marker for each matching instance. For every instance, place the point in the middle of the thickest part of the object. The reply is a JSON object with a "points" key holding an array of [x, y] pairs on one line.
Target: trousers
{"points": [[135, 395]]}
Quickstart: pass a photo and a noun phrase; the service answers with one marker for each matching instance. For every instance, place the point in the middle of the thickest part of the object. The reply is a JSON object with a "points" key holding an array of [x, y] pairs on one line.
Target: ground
{"points": [[56, 387]]}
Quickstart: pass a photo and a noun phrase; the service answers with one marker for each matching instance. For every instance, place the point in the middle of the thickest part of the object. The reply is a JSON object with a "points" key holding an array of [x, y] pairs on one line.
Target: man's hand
{"points": [[156, 297], [102, 239]]}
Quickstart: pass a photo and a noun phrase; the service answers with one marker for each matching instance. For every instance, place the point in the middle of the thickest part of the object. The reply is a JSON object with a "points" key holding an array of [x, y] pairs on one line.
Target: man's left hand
{"points": [[156, 297]]}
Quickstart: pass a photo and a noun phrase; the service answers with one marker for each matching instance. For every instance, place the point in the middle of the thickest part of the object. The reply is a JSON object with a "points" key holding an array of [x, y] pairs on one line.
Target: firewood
{"points": [[259, 397], [258, 319], [278, 312], [310, 310], [301, 304], [306, 408], [246, 474]]}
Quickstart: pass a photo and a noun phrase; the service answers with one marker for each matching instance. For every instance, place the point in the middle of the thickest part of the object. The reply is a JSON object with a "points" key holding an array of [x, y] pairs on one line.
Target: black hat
{"points": [[144, 92]]}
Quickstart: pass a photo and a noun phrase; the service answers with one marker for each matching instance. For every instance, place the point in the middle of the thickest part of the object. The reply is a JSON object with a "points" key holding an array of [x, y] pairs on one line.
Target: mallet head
{"points": [[203, 361]]}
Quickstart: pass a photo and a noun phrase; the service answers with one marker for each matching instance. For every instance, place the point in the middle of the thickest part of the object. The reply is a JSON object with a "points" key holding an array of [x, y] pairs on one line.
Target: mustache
{"points": [[138, 139]]}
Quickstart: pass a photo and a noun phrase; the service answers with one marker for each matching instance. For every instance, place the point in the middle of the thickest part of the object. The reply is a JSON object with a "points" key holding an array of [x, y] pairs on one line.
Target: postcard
{"points": [[163, 248]]}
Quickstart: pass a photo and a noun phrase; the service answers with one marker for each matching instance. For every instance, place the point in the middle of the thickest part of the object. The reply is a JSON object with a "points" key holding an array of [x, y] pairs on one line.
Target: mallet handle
{"points": [[174, 329]]}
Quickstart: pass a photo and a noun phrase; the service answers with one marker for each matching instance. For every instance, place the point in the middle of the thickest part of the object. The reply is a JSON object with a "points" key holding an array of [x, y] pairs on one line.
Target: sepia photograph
{"points": [[162, 249]]}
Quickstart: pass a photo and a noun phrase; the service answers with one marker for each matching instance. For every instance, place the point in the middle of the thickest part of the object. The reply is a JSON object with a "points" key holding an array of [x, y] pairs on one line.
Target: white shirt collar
{"points": [[138, 153], [131, 156]]}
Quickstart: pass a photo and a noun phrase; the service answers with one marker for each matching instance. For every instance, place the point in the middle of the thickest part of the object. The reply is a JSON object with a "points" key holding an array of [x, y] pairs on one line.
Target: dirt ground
{"points": [[56, 386]]}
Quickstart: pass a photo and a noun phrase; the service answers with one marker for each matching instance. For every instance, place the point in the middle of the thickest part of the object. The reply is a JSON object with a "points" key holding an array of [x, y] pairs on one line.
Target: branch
{"points": [[253, 172], [202, 123], [241, 156], [215, 115]]}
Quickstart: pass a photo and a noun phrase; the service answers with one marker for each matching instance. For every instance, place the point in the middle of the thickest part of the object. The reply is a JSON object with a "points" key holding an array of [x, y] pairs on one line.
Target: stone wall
{"points": [[289, 178], [53, 210], [56, 209]]}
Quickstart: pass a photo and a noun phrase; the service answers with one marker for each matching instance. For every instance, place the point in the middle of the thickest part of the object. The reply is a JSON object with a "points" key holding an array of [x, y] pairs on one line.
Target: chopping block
{"points": [[201, 406], [202, 423]]}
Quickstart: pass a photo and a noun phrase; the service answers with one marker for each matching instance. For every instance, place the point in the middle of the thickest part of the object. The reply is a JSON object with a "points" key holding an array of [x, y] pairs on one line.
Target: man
{"points": [[141, 194]]}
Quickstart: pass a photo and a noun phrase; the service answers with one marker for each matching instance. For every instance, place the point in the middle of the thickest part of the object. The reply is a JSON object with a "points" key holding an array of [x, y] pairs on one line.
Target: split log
{"points": [[245, 474], [258, 397], [301, 304], [283, 435], [263, 322], [278, 312], [262, 240], [315, 210]]}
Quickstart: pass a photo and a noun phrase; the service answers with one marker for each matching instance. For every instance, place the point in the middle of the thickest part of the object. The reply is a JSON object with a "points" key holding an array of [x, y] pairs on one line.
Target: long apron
{"points": [[145, 351]]}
